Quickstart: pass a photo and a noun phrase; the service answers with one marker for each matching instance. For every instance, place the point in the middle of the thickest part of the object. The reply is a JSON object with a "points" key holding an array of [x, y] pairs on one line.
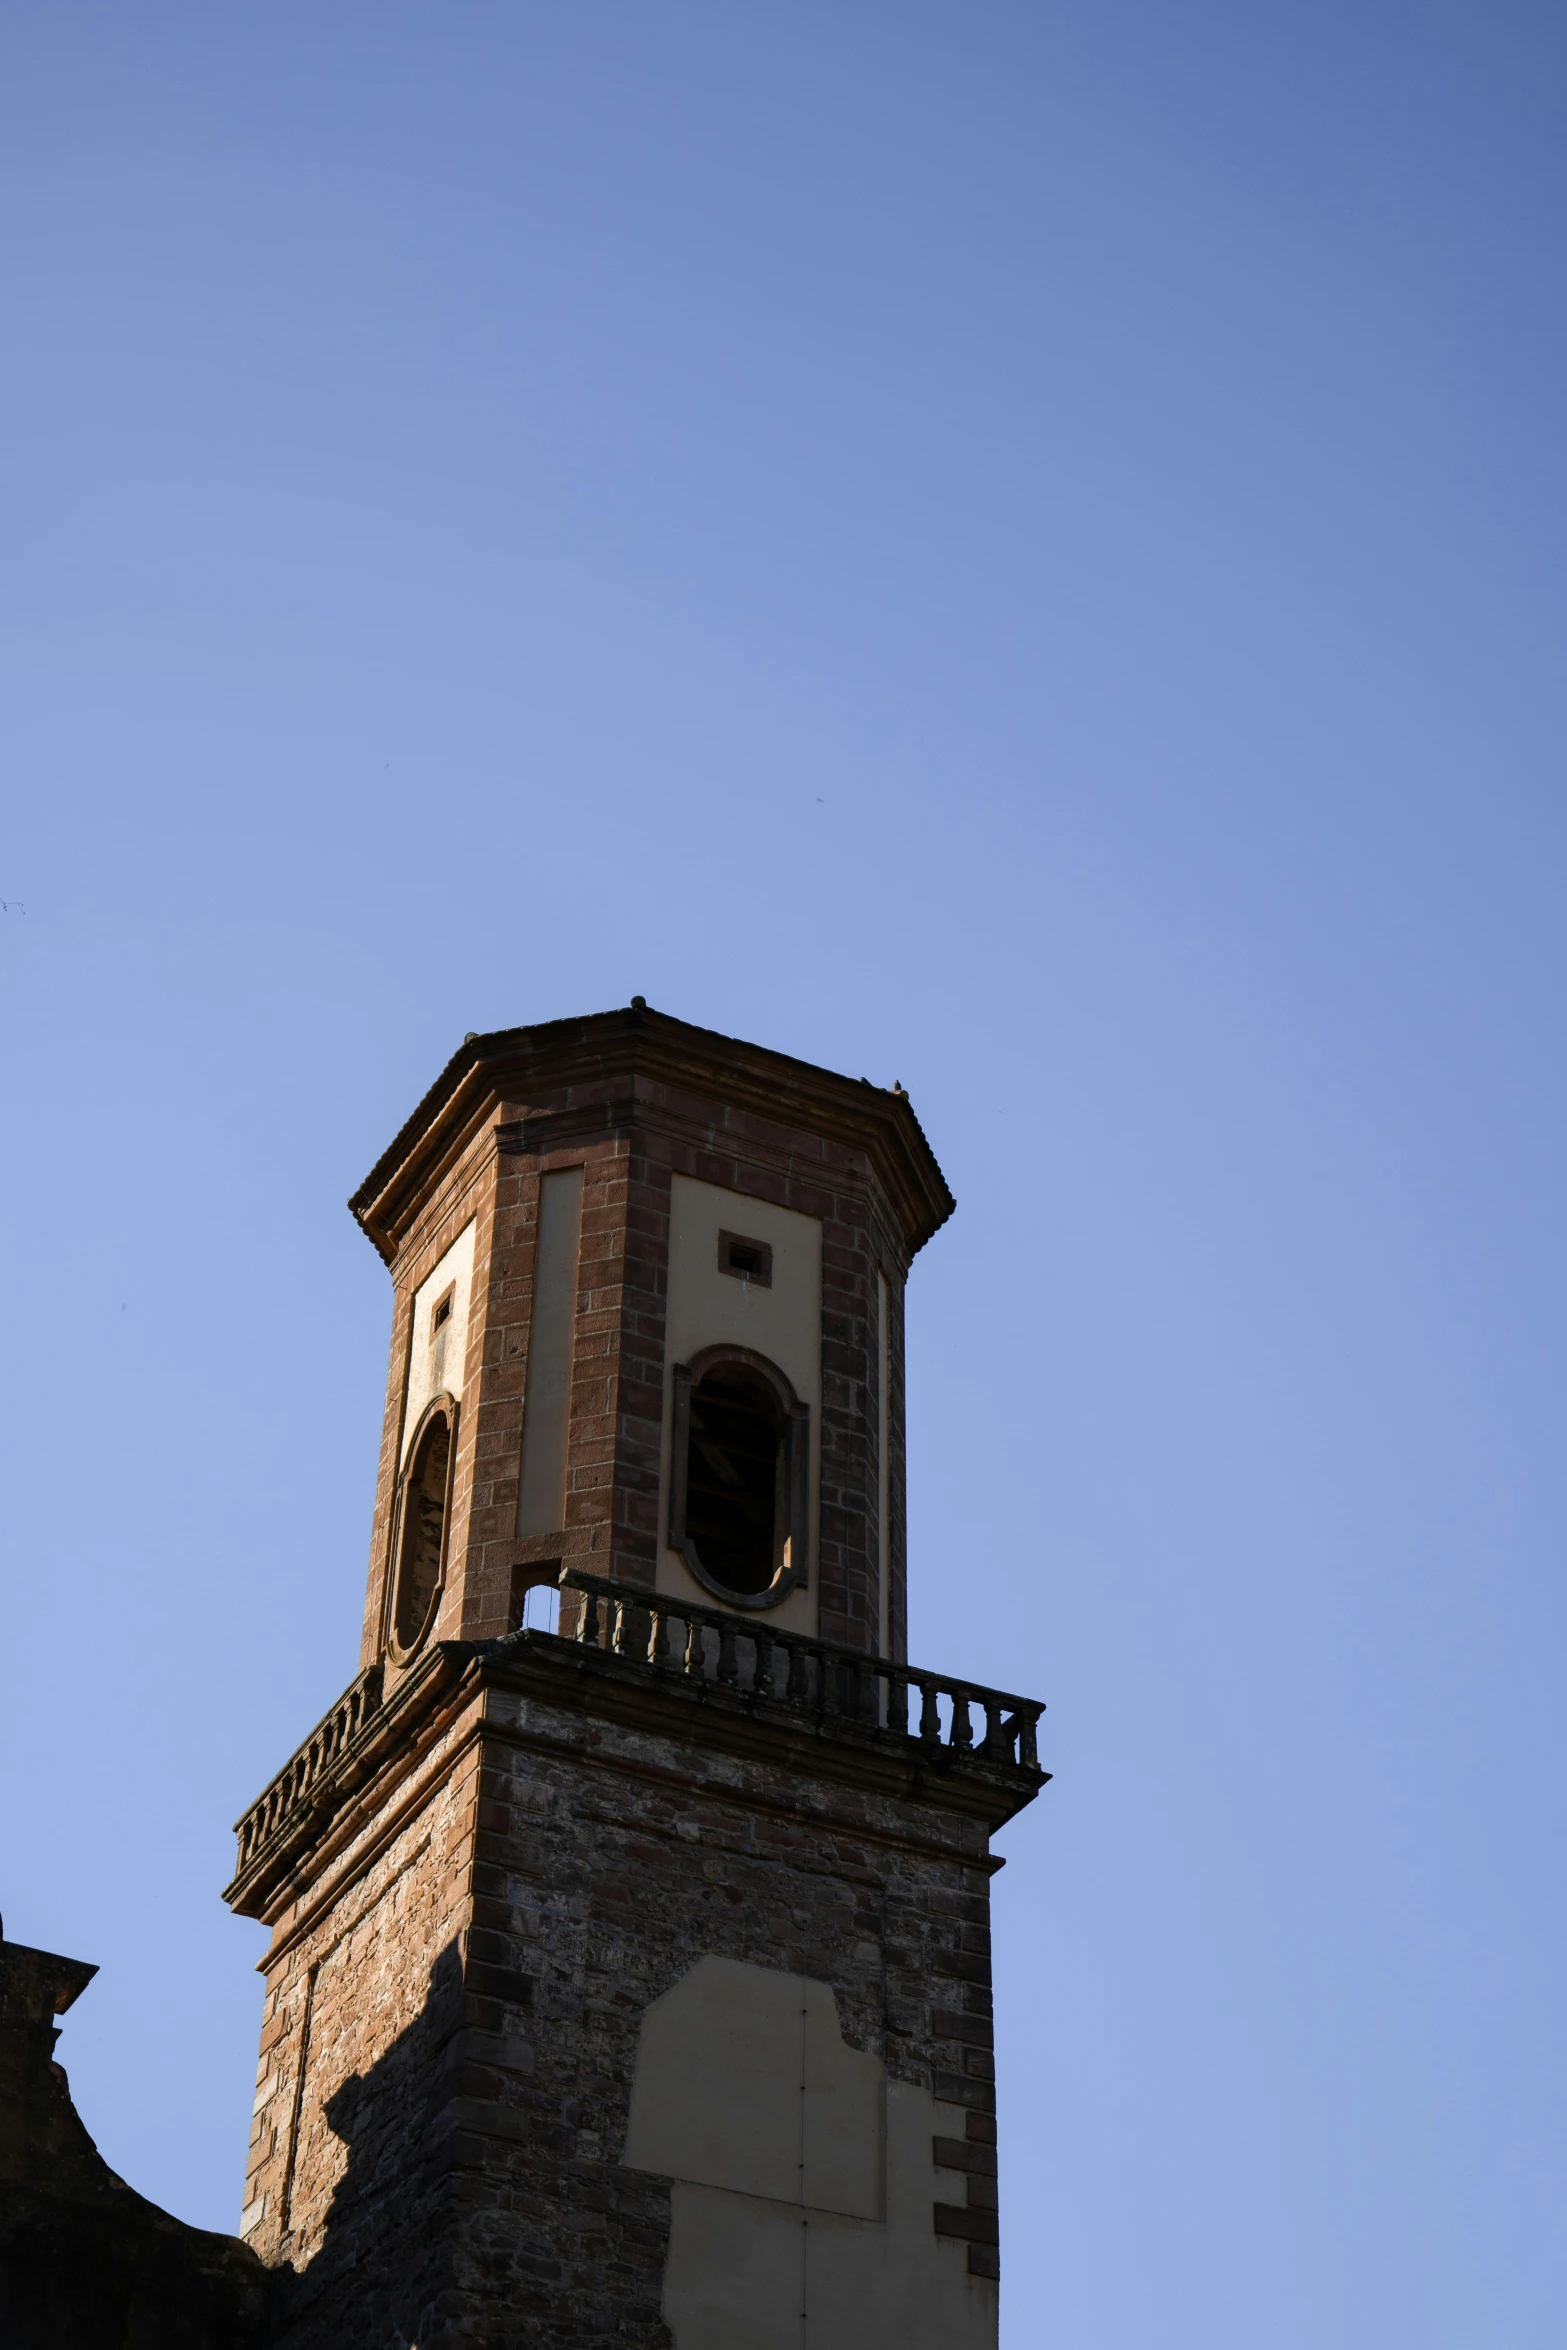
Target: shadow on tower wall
{"points": [[437, 2233], [382, 2276], [464, 2214]]}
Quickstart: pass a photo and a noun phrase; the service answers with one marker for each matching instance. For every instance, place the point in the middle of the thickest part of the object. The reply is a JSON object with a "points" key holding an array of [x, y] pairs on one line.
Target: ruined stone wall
{"points": [[86, 2262]]}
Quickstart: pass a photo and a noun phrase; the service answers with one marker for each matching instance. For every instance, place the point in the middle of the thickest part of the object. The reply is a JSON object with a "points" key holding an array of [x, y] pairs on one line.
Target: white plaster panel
{"points": [[784, 1322], [435, 1360], [786, 2107], [753, 2264]]}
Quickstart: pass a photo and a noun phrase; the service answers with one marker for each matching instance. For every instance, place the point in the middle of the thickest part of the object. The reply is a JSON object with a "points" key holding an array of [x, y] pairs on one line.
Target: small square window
{"points": [[747, 1260], [443, 1310]]}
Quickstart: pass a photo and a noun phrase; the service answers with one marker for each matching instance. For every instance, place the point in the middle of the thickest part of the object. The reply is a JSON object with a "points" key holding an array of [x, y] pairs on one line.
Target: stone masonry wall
{"points": [[468, 2001], [609, 1860]]}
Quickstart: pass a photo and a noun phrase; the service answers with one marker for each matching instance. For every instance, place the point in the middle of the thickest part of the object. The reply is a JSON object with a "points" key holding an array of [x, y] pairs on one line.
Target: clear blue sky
{"points": [[1016, 548]]}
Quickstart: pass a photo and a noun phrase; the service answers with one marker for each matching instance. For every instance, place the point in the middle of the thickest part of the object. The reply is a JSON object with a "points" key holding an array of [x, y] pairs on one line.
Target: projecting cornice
{"points": [[613, 1071]]}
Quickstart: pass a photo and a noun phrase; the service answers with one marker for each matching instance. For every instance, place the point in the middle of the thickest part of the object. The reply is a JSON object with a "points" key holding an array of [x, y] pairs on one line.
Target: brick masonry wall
{"points": [[349, 1974], [599, 1500], [466, 1993], [794, 1167], [615, 1419], [468, 1193]]}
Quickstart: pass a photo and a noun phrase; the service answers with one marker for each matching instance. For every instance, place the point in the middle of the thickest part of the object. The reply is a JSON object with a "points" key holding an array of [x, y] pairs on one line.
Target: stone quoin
{"points": [[629, 1973]]}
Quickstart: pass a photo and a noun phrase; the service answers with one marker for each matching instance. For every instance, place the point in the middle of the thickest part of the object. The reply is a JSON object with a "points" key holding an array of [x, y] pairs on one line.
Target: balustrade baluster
{"points": [[798, 1687], [930, 1717], [762, 1668], [728, 1669], [696, 1649], [1027, 1728], [996, 1742], [962, 1726], [658, 1640], [589, 1631], [898, 1703]]}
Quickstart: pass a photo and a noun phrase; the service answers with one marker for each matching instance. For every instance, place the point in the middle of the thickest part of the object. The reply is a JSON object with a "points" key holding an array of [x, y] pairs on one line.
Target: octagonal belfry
{"points": [[579, 1216], [629, 1973]]}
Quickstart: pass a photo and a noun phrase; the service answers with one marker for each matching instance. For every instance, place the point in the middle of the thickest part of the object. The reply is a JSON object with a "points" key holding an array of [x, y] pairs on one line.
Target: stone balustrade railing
{"points": [[326, 1745], [700, 1647], [705, 1645]]}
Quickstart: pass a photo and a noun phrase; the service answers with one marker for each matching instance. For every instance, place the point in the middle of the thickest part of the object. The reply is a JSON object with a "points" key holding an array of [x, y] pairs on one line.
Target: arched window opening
{"points": [[541, 1608], [422, 1529], [734, 1478], [739, 1476]]}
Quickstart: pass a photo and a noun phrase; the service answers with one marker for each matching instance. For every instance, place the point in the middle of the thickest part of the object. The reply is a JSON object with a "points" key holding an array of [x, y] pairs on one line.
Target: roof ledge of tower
{"points": [[509, 1063]]}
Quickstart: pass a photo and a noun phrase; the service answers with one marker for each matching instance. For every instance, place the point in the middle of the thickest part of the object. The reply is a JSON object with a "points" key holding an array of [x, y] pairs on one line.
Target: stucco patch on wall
{"points": [[784, 2107], [803, 2178]]}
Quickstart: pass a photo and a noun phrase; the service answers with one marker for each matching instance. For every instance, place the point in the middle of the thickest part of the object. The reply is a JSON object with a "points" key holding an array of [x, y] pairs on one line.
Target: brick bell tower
{"points": [[629, 1980]]}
